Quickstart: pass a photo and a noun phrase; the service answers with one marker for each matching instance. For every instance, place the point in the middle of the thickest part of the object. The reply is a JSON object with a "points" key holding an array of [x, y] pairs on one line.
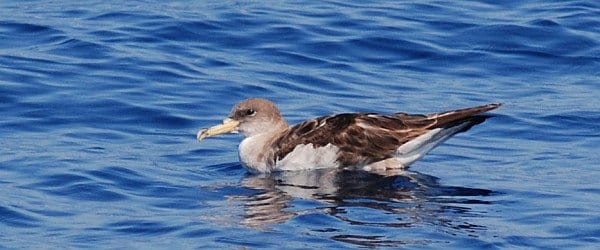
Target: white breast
{"points": [[252, 155]]}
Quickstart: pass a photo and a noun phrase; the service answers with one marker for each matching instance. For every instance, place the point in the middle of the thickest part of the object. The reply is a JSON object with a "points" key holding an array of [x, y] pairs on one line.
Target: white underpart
{"points": [[302, 157], [249, 151], [418, 147], [308, 157]]}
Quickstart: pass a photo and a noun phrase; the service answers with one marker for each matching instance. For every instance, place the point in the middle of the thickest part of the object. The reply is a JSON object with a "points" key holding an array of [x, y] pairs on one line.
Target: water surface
{"points": [[101, 100]]}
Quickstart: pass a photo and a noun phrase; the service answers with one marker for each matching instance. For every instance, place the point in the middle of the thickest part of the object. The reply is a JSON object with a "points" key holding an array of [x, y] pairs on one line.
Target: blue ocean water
{"points": [[100, 102]]}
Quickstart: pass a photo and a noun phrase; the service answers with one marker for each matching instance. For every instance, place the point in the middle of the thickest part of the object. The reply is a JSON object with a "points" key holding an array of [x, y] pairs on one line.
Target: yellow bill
{"points": [[228, 126]]}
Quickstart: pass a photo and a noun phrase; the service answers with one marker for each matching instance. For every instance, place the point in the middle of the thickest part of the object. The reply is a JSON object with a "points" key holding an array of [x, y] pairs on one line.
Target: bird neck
{"points": [[279, 126], [254, 151]]}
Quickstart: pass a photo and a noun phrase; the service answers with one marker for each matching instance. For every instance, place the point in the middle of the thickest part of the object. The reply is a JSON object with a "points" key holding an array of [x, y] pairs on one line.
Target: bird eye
{"points": [[250, 112]]}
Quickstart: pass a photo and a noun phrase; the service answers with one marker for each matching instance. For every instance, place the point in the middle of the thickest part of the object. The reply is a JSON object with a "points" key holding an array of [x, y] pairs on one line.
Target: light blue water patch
{"points": [[100, 102]]}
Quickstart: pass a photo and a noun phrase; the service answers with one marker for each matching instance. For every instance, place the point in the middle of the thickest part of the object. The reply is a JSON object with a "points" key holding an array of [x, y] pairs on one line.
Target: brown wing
{"points": [[319, 131], [361, 138], [364, 138], [450, 118]]}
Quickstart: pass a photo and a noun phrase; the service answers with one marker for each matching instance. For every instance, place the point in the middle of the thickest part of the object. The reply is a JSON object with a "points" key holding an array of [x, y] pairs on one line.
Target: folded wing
{"points": [[364, 138]]}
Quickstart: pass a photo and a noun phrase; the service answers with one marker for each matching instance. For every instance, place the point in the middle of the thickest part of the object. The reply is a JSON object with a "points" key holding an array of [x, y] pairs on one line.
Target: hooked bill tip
{"points": [[201, 134]]}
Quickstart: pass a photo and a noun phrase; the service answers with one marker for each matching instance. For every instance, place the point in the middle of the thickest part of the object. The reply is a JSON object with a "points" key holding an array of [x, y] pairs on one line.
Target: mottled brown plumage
{"points": [[364, 138]]}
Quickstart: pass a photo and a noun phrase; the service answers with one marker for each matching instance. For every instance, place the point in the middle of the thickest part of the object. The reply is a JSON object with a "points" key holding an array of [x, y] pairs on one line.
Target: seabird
{"points": [[368, 141]]}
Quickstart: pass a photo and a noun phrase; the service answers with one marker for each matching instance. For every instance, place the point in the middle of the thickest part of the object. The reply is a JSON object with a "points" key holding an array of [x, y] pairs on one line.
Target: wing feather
{"points": [[364, 138]]}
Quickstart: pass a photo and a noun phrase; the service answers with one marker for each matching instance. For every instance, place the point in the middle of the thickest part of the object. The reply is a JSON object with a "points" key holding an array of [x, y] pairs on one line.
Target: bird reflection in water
{"points": [[405, 198]]}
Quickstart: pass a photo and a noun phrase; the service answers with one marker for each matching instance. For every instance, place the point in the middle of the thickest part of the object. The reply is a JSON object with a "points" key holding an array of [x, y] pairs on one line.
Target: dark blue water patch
{"points": [[521, 241], [304, 80], [242, 21], [544, 23], [381, 48], [276, 33], [12, 27], [461, 191], [32, 73], [123, 178], [250, 242], [85, 192], [200, 233], [427, 7], [544, 131], [324, 31], [8, 100], [371, 241], [450, 25], [329, 49], [141, 227], [88, 239], [521, 38], [60, 180], [590, 190], [110, 36], [113, 135], [346, 23], [212, 62], [82, 49], [185, 203], [549, 127], [180, 33], [124, 16], [132, 38], [205, 32], [191, 32], [76, 13], [10, 88], [581, 21], [201, 26], [52, 213], [170, 72], [282, 56], [104, 113], [174, 196], [194, 155], [15, 35], [28, 63], [13, 218], [228, 169], [584, 120]]}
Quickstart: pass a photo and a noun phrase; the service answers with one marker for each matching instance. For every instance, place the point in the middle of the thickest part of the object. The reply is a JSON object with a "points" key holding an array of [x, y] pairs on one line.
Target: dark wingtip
{"points": [[472, 115], [495, 105], [472, 121], [490, 106]]}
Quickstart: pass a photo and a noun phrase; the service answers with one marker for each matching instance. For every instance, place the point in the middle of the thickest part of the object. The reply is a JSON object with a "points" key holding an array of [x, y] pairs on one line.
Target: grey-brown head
{"points": [[250, 117]]}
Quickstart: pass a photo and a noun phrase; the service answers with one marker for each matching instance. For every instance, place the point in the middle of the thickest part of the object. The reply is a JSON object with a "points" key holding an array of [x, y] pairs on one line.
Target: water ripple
{"points": [[14, 218], [100, 102], [135, 227]]}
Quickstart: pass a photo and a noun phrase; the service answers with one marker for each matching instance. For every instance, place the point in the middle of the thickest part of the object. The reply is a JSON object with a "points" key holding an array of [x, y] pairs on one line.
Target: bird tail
{"points": [[447, 124], [450, 118]]}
